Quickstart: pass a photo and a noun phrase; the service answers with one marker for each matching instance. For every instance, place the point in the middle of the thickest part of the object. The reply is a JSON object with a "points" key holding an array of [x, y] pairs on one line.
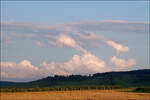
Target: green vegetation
{"points": [[143, 90], [109, 80], [67, 88]]}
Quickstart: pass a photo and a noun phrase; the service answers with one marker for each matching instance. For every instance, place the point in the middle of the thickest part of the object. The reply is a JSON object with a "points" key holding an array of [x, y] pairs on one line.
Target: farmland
{"points": [[75, 95]]}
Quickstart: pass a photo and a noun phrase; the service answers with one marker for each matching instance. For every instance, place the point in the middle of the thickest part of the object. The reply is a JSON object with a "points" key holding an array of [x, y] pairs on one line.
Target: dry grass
{"points": [[76, 95]]}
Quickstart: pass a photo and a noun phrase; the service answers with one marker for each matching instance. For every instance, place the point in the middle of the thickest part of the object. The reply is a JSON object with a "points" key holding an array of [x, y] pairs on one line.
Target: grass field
{"points": [[76, 95]]}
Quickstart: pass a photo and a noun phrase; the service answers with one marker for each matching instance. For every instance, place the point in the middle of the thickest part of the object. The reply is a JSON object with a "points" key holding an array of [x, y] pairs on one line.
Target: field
{"points": [[76, 95]]}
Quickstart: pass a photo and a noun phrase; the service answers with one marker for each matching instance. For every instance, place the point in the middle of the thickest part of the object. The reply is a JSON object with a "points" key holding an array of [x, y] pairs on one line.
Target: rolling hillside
{"points": [[137, 78]]}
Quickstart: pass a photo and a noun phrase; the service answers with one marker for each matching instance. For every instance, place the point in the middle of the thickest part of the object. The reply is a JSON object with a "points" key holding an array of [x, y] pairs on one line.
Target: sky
{"points": [[47, 38]]}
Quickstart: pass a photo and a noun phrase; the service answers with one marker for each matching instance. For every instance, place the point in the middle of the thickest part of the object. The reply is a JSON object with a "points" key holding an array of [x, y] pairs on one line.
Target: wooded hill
{"points": [[137, 78]]}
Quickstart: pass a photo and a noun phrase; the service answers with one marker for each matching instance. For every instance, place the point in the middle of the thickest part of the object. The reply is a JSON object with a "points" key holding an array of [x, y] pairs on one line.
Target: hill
{"points": [[137, 78], [7, 83]]}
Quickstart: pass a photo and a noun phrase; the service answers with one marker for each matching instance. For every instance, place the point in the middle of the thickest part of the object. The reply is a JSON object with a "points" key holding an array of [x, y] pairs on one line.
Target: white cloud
{"points": [[24, 69], [92, 36], [67, 41], [121, 63], [119, 48], [84, 64]]}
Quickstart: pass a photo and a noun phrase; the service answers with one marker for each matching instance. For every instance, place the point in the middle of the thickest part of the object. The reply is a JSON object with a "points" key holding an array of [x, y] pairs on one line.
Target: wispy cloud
{"points": [[119, 48], [84, 30], [68, 41], [92, 36], [90, 26]]}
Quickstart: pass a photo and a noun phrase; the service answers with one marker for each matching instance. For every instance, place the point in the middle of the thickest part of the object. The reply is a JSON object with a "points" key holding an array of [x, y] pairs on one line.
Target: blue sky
{"points": [[47, 38], [62, 12]]}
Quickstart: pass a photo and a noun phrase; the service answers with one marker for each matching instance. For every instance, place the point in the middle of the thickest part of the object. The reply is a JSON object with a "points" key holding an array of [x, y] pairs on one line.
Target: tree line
{"points": [[58, 88]]}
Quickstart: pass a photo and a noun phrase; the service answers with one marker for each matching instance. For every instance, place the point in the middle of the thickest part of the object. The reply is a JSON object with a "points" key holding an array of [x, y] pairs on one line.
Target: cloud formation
{"points": [[24, 69], [73, 35], [121, 63], [84, 64]]}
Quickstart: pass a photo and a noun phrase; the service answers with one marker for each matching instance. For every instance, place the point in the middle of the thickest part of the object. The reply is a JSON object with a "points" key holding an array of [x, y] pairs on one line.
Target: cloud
{"points": [[67, 41], [84, 64], [84, 30], [92, 36], [112, 26], [119, 48], [123, 21], [24, 69], [121, 63], [39, 44], [100, 26], [74, 35]]}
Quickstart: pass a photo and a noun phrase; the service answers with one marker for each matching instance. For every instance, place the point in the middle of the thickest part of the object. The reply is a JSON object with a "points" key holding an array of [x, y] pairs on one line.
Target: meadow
{"points": [[75, 95]]}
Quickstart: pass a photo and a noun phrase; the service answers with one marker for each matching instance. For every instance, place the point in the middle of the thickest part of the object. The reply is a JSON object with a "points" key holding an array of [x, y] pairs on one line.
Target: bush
{"points": [[64, 88], [144, 90]]}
